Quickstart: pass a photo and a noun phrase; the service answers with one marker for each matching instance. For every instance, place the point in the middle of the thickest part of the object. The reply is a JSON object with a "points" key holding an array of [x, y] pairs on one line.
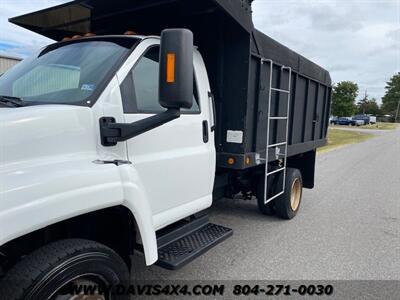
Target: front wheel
{"points": [[67, 270]]}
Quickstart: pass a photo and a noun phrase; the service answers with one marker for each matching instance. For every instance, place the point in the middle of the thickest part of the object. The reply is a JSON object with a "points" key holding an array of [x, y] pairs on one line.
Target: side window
{"points": [[139, 90]]}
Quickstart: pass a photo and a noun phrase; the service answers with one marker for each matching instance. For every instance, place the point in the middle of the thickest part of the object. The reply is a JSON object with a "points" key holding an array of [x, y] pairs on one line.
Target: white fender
{"points": [[135, 201]]}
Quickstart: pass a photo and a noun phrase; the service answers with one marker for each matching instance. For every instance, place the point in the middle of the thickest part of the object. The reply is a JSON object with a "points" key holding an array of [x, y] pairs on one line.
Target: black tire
{"points": [[43, 272], [266, 209], [282, 204]]}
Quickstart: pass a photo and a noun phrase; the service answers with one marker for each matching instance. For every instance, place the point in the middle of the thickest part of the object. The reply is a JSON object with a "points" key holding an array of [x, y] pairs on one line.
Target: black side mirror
{"points": [[175, 88], [176, 69]]}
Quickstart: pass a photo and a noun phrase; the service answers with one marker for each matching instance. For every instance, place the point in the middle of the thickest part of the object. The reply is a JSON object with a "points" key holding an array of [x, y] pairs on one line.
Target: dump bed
{"points": [[236, 57]]}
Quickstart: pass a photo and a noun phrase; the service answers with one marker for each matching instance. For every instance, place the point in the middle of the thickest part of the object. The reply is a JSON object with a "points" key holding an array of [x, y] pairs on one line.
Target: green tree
{"points": [[392, 96], [344, 99], [373, 108], [362, 104], [368, 106]]}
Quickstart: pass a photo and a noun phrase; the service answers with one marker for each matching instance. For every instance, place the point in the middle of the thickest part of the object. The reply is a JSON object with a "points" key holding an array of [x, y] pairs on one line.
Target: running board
{"points": [[182, 244]]}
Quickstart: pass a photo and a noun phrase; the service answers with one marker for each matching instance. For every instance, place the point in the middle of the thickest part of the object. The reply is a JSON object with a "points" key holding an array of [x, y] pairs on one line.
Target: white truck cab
{"points": [[160, 176], [53, 164]]}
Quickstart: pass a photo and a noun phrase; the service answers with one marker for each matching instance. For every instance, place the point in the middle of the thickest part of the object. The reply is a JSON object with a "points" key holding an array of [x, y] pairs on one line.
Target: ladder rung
{"points": [[273, 197], [280, 90], [276, 171], [278, 118], [267, 60], [278, 144]]}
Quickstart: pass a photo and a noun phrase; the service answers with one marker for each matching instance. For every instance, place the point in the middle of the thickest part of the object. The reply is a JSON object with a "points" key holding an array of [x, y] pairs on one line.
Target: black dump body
{"points": [[232, 49]]}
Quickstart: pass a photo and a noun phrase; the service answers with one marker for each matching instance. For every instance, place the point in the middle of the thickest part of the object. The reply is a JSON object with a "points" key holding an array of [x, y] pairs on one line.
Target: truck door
{"points": [[175, 162]]}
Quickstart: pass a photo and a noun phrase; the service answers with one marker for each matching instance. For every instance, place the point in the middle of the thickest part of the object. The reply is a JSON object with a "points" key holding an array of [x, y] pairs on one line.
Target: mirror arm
{"points": [[112, 132]]}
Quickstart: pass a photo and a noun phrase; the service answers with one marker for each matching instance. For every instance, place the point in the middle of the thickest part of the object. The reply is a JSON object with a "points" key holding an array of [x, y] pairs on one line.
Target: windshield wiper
{"points": [[12, 101]]}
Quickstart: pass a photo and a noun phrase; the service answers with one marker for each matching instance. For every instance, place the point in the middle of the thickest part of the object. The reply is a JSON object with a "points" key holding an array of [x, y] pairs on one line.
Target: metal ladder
{"points": [[279, 118]]}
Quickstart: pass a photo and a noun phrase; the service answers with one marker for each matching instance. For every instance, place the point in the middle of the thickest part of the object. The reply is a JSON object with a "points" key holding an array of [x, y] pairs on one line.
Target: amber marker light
{"points": [[248, 160], [171, 67], [231, 161], [130, 32]]}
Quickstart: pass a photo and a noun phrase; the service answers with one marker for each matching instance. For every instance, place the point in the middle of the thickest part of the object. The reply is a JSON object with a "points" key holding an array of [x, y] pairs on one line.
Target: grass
{"points": [[381, 126], [339, 138], [377, 126]]}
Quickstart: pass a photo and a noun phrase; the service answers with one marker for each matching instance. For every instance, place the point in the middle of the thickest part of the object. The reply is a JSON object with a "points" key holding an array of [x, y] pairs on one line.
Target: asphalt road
{"points": [[348, 226]]}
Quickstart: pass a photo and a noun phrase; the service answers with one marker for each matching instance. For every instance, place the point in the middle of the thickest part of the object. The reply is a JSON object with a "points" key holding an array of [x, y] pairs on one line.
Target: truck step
{"points": [[184, 244]]}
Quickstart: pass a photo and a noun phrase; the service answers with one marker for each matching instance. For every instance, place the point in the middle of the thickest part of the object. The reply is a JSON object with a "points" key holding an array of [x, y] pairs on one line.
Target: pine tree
{"points": [[391, 99]]}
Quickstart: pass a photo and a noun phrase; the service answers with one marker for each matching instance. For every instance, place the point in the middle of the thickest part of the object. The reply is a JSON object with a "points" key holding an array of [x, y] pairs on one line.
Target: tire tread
{"points": [[32, 266]]}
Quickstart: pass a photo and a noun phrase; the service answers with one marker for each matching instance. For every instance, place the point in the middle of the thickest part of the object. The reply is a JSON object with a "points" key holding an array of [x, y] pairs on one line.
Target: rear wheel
{"points": [[288, 204], [58, 271]]}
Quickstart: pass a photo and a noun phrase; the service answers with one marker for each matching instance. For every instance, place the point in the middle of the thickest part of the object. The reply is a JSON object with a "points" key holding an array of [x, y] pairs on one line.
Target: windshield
{"points": [[65, 73]]}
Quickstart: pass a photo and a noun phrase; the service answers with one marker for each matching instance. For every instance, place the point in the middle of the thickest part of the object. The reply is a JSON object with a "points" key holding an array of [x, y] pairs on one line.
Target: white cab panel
{"points": [[175, 165]]}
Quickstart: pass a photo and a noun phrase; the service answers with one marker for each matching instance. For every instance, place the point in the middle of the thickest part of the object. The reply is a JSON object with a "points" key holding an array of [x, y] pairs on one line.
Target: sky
{"points": [[356, 40]]}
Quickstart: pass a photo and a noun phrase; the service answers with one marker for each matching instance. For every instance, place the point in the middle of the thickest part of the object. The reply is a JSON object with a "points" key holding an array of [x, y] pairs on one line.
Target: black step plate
{"points": [[183, 250]]}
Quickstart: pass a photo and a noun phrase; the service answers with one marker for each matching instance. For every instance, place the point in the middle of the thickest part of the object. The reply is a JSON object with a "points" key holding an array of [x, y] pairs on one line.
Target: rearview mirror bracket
{"points": [[111, 132]]}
